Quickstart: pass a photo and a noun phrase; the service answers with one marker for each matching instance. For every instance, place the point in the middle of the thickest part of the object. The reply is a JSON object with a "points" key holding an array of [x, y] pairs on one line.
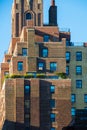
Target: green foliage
{"points": [[40, 75], [29, 75], [62, 75], [16, 76]]}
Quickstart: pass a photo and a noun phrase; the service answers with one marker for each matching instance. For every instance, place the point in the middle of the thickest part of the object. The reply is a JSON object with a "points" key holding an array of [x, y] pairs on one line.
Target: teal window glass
{"points": [[53, 66], [20, 66]]}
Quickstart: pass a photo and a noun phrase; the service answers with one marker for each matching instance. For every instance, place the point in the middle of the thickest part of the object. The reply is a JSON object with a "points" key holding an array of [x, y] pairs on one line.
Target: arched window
{"points": [[28, 16]]}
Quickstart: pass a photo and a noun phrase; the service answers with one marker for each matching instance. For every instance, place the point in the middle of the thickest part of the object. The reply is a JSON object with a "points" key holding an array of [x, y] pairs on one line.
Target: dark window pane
{"points": [[52, 103], [40, 66], [78, 70], [73, 111], [27, 89], [67, 56], [46, 38], [20, 66], [45, 52], [24, 51], [67, 70], [85, 98], [53, 66], [52, 117], [52, 88], [73, 98], [28, 16], [78, 83], [79, 56]]}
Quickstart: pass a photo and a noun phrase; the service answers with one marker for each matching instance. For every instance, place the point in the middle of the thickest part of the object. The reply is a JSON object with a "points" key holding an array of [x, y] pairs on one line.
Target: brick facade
{"points": [[25, 103]]}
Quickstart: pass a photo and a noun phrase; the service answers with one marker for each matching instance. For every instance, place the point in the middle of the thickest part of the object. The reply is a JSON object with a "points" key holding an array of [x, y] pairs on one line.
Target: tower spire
{"points": [[53, 2]]}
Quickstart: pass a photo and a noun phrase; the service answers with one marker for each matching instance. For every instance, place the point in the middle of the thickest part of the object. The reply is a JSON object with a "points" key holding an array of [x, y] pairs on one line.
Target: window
{"points": [[73, 98], [27, 89], [40, 66], [45, 52], [67, 70], [52, 117], [46, 38], [52, 89], [78, 83], [27, 104], [85, 108], [24, 51], [67, 56], [73, 111], [78, 70], [6, 73], [28, 16], [53, 66], [8, 60], [52, 103], [85, 98], [20, 66], [78, 56], [39, 6], [52, 128]]}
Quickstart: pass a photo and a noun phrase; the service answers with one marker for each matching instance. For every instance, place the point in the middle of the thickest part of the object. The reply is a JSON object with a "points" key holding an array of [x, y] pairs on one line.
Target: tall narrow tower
{"points": [[26, 13], [53, 14]]}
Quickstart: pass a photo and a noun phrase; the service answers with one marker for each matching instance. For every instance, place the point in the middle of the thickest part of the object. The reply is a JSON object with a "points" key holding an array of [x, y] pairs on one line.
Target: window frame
{"points": [[77, 56], [68, 57], [21, 65], [73, 111], [53, 66], [73, 98], [79, 71], [28, 16], [52, 117], [78, 84], [46, 38], [41, 67], [85, 98], [67, 70], [52, 103], [45, 52], [52, 88], [24, 54]]}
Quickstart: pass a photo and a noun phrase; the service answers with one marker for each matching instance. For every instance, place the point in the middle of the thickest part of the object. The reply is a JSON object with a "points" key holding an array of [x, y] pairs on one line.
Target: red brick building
{"points": [[32, 96]]}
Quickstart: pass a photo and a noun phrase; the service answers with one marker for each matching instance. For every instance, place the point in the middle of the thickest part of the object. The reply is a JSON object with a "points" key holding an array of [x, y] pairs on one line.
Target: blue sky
{"points": [[71, 14]]}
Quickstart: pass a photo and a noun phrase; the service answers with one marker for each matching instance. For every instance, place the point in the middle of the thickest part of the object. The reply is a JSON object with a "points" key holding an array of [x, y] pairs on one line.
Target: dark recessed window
{"points": [[78, 70], [46, 38], [67, 56], [45, 52], [52, 103], [8, 60], [27, 89], [52, 89], [67, 70], [52, 117], [73, 98], [85, 98], [52, 128], [53, 66], [28, 16], [40, 66], [27, 104], [24, 51], [73, 111], [78, 83], [78, 56], [20, 66]]}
